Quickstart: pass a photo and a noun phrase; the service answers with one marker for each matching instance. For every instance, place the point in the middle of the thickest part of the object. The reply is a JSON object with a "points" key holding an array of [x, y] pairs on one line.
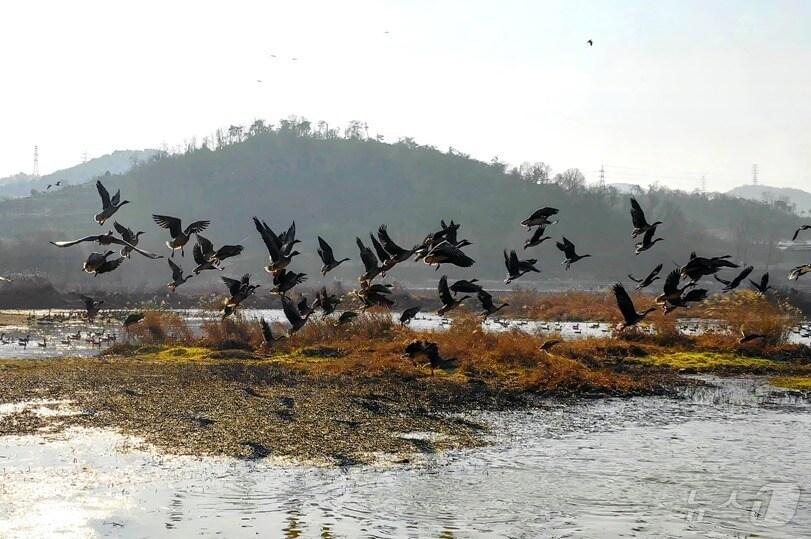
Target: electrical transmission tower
{"points": [[754, 174], [602, 176], [35, 171]]}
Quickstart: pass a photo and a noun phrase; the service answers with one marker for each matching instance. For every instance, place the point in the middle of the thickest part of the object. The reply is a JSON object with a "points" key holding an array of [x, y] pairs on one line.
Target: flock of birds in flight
{"points": [[440, 247]]}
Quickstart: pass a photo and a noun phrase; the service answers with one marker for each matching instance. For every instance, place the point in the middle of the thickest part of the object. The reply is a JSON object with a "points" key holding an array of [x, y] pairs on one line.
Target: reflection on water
{"points": [[730, 461]]}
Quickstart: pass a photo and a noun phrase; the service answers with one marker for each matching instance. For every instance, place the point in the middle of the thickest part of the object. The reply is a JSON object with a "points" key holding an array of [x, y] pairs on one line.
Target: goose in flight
{"points": [[396, 254], [447, 299], [371, 267], [346, 317], [408, 315], [641, 225], [735, 283], [447, 253], [763, 286], [517, 268], [108, 239], [801, 229], [374, 295], [537, 237], [293, 315], [700, 266], [267, 334], [127, 235], [91, 306], [647, 241], [630, 315], [328, 261], [325, 301], [207, 258], [180, 236], [647, 281], [465, 286], [540, 217], [284, 281], [97, 263], [108, 205], [568, 250], [487, 304], [239, 291], [177, 276], [799, 271]]}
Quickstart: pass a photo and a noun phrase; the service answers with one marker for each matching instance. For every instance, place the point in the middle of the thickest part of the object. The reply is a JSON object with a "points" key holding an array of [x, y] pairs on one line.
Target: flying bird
{"points": [[487, 304], [448, 301], [91, 306], [763, 286], [371, 267], [346, 317], [641, 225], [177, 276], [590, 42], [799, 271], [568, 250], [97, 263], [734, 283], [280, 248], [239, 291], [108, 205], [267, 334], [647, 241], [465, 287], [801, 229], [540, 217], [293, 315], [630, 315], [328, 260], [107, 239], [408, 315], [127, 235], [517, 268], [537, 237], [180, 236], [647, 281]]}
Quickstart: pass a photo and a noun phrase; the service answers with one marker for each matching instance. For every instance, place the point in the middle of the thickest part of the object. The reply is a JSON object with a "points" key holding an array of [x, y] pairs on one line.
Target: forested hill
{"points": [[341, 188]]}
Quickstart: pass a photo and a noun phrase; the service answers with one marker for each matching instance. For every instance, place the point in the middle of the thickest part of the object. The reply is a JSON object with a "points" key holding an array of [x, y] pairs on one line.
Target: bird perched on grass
{"points": [[735, 283], [108, 205], [641, 225], [408, 315], [180, 236], [569, 252], [97, 263], [647, 281], [517, 268], [630, 315], [445, 297], [328, 260]]}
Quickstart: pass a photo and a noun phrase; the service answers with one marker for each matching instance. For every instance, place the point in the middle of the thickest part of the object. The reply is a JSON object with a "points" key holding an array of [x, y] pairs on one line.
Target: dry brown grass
{"points": [[570, 306], [232, 333], [161, 327]]}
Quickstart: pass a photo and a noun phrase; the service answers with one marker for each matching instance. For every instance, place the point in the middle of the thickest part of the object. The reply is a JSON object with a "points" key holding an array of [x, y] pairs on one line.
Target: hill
{"points": [[118, 162], [799, 198], [340, 188]]}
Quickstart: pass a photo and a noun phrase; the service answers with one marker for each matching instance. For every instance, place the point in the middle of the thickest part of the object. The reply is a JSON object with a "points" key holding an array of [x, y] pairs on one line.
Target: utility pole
{"points": [[602, 176], [754, 174], [35, 171]]}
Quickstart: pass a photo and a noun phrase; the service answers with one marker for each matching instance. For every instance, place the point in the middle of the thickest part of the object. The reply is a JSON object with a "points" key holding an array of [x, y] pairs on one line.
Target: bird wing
{"points": [[486, 300], [206, 247], [74, 242], [624, 302], [655, 271], [381, 252], [325, 251], [177, 273], [648, 237], [138, 250], [105, 196], [110, 265], [196, 227], [744, 274], [272, 241], [507, 262], [267, 334], [545, 212], [637, 215], [227, 251], [567, 247], [116, 198], [290, 311], [172, 223], [444, 292], [125, 232], [722, 281], [634, 279], [764, 281], [233, 285], [197, 253], [672, 282], [388, 244], [515, 264], [366, 256], [289, 235]]}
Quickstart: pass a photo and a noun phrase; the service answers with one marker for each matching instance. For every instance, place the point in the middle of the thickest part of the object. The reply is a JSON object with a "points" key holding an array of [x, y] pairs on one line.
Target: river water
{"points": [[727, 461]]}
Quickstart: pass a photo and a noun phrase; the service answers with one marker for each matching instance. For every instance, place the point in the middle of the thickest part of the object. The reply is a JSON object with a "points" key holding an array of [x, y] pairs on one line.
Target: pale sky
{"points": [[670, 91]]}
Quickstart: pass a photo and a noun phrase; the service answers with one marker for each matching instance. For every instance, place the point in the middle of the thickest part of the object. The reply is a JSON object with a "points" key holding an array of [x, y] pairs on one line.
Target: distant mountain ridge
{"points": [[118, 162], [765, 193]]}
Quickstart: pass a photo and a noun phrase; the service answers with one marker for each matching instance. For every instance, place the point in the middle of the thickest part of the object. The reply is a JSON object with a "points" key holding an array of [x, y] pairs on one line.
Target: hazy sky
{"points": [[670, 91]]}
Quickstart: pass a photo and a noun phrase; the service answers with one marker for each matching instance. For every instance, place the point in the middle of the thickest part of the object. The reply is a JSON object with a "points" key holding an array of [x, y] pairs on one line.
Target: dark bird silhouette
{"points": [[284, 281], [516, 268], [734, 283], [280, 248], [749, 337], [447, 253], [177, 276], [108, 205], [672, 293], [127, 235], [630, 315], [180, 236], [647, 281], [326, 302], [371, 267], [395, 253], [568, 250], [267, 334], [97, 263], [641, 225], [465, 287], [293, 315], [328, 260], [799, 271], [763, 286], [700, 266], [382, 255], [445, 296], [91, 306], [537, 237], [409, 315], [59, 183], [428, 353], [540, 217], [346, 317], [371, 295], [207, 258], [801, 229], [107, 239], [647, 241], [590, 42], [487, 304], [132, 319], [239, 291], [549, 344]]}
